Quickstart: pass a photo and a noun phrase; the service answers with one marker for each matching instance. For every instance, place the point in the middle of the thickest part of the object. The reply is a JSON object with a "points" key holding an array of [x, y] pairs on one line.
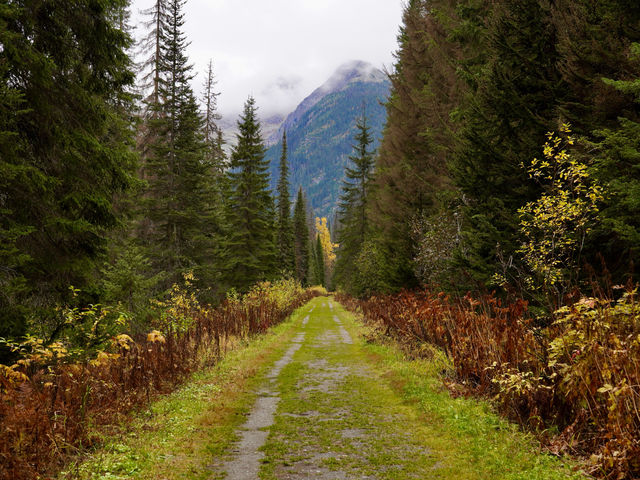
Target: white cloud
{"points": [[280, 50]]}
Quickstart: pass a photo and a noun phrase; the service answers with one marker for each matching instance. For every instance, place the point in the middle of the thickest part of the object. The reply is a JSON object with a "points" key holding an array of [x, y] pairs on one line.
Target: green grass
{"points": [[399, 422], [474, 442]]}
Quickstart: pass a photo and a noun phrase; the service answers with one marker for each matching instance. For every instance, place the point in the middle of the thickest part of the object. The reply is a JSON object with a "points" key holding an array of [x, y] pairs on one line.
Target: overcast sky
{"points": [[281, 50]]}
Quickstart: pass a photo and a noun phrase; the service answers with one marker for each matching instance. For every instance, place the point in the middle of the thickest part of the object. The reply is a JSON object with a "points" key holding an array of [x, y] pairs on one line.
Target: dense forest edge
{"points": [[505, 195], [499, 219]]}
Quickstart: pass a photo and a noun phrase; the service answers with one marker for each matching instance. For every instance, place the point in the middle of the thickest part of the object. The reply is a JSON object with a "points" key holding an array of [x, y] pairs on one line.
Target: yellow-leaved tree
{"points": [[328, 247], [554, 226]]}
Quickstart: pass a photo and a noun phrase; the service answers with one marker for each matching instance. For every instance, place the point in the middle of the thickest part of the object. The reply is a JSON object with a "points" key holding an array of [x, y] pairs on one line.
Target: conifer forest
{"points": [[482, 255]]}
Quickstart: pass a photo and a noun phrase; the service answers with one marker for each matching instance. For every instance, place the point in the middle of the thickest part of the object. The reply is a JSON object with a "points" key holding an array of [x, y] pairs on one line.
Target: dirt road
{"points": [[324, 413]]}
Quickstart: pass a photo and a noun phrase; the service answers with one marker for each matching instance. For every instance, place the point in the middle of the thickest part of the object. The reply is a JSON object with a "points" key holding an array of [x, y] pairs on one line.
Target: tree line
{"points": [[115, 181], [511, 155]]}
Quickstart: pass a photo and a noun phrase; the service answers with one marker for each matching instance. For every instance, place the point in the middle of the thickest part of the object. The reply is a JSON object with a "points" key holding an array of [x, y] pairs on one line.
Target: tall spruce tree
{"points": [[211, 116], [301, 239], [318, 267], [411, 166], [617, 166], [156, 25], [150, 76], [354, 226], [176, 197], [250, 246], [13, 171], [65, 151], [285, 230], [213, 225]]}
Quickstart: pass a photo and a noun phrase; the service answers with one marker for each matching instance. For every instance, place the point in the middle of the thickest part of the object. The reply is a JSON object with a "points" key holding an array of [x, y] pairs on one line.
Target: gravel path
{"points": [[325, 413], [253, 434]]}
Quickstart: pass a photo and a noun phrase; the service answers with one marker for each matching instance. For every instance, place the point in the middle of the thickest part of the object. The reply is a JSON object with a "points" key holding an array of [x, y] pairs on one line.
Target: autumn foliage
{"points": [[575, 382], [47, 403]]}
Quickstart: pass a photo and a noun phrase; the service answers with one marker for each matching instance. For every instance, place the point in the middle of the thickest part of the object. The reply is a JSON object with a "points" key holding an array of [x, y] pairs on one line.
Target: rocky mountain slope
{"points": [[321, 132]]}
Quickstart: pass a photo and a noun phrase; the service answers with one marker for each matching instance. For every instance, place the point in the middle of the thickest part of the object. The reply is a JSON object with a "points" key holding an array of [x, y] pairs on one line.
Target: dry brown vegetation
{"points": [[48, 411]]}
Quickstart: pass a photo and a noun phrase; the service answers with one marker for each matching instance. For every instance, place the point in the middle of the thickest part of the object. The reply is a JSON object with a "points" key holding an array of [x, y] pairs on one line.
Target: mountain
{"points": [[320, 132], [270, 127]]}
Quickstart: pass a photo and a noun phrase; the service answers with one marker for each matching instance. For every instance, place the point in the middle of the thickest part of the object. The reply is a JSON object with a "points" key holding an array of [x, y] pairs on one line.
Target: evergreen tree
{"points": [[285, 230], [177, 196], [215, 156], [121, 17], [617, 165], [65, 151], [150, 76], [211, 115], [213, 225], [13, 282], [354, 227], [251, 252], [318, 263], [512, 108], [125, 281], [151, 68], [301, 239], [411, 166], [312, 273]]}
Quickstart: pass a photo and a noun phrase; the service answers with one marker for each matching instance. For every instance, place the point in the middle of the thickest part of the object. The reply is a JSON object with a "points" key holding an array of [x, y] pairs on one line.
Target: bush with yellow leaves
{"points": [[596, 359], [555, 225], [176, 313]]}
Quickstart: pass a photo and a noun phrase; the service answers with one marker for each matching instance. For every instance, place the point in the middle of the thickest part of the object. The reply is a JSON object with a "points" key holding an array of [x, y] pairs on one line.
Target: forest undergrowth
{"points": [[575, 382], [53, 405]]}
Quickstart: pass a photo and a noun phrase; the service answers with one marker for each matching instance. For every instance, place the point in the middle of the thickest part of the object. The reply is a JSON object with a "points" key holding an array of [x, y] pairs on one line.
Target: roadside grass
{"points": [[181, 434], [472, 441]]}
